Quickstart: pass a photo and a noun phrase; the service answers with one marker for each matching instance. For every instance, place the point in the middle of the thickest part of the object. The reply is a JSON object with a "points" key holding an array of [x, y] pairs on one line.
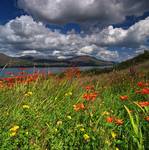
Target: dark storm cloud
{"points": [[102, 11]]}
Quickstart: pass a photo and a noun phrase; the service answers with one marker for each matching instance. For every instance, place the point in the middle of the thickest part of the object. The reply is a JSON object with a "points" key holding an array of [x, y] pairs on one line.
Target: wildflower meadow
{"points": [[75, 111]]}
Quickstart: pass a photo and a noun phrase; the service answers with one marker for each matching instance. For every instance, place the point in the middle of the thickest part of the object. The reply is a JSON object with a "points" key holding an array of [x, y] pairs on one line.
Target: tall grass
{"points": [[41, 115]]}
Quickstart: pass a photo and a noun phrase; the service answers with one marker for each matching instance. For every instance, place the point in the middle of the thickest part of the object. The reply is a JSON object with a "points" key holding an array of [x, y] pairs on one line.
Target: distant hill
{"points": [[74, 61], [134, 61], [29, 61], [87, 60], [12, 61], [4, 59]]}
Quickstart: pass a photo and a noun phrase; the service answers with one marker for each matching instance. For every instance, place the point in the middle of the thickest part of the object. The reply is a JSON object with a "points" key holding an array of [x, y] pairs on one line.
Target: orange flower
{"points": [[140, 84], [147, 118], [79, 106], [89, 87], [145, 91], [115, 120], [119, 121], [123, 98], [86, 96], [109, 119], [72, 72], [143, 104], [1, 84], [90, 96]]}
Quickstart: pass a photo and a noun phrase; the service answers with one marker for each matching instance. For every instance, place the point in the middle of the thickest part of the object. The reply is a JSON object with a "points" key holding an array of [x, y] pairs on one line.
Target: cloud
{"points": [[102, 11], [136, 35], [107, 55], [24, 35]]}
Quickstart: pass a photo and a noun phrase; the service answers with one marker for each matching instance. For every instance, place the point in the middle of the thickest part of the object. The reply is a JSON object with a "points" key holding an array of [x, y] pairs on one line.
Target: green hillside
{"points": [[134, 61]]}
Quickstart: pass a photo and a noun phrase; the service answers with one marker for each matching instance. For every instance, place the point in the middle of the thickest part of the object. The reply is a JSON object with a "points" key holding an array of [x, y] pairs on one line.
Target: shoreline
{"points": [[106, 66]]}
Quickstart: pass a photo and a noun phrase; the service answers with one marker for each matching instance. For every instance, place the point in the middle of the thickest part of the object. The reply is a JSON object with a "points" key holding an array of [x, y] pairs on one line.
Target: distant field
{"points": [[76, 111]]}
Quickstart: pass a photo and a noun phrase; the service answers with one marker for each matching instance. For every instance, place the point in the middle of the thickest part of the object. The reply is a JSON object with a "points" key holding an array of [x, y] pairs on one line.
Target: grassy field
{"points": [[76, 112]]}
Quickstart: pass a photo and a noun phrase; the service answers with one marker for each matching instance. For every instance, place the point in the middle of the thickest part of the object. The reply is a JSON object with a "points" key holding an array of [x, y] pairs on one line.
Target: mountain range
{"points": [[29, 61]]}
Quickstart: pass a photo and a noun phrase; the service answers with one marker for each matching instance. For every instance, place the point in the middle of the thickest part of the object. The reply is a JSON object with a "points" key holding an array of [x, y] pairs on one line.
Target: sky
{"points": [[113, 30]]}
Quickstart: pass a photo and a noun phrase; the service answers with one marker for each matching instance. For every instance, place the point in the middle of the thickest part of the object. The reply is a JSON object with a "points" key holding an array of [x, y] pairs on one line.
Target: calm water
{"points": [[7, 71]]}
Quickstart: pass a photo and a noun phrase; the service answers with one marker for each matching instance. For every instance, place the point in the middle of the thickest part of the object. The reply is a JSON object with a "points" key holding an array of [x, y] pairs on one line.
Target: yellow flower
{"points": [[28, 94], [55, 130], [66, 94], [86, 137], [91, 114], [117, 148], [82, 129], [12, 134], [26, 107], [59, 122], [105, 113], [79, 125], [113, 134], [107, 142], [14, 128], [70, 93], [69, 117]]}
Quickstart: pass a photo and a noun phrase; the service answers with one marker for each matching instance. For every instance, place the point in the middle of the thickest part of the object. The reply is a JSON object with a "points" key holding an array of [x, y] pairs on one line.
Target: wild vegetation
{"points": [[75, 110], [134, 61]]}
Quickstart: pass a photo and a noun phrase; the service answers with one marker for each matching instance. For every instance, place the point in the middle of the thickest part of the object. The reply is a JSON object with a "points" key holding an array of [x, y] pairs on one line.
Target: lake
{"points": [[8, 72]]}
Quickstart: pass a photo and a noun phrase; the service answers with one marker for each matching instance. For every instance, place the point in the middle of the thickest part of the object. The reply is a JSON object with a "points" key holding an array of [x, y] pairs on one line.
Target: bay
{"points": [[8, 72]]}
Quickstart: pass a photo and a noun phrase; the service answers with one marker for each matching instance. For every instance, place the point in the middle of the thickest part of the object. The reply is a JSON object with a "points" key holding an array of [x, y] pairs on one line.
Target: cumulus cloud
{"points": [[136, 35], [103, 11], [108, 55], [24, 35]]}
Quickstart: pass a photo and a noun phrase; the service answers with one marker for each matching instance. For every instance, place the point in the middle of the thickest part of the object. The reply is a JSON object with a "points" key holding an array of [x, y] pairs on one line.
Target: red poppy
{"points": [[123, 98], [79, 106], [23, 78], [72, 72], [1, 84], [9, 73], [109, 119], [89, 87], [86, 96], [147, 118], [145, 91], [140, 84], [119, 121], [143, 104], [90, 96]]}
